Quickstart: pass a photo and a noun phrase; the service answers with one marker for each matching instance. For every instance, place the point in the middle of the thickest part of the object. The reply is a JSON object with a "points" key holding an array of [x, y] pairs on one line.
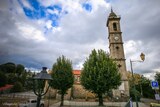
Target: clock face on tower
{"points": [[116, 37]]}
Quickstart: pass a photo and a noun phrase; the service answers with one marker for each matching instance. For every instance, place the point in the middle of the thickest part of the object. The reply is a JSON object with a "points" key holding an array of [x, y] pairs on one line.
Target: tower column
{"points": [[117, 52]]}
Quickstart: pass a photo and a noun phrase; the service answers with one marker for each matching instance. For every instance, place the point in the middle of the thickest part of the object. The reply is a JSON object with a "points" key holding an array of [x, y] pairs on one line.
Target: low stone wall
{"points": [[80, 93], [76, 92], [51, 93]]}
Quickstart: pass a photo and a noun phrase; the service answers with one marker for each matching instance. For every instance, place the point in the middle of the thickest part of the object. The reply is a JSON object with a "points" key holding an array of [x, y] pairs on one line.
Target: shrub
{"points": [[17, 87], [134, 92]]}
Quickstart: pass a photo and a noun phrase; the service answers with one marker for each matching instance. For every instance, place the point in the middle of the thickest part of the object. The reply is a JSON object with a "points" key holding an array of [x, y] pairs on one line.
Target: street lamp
{"points": [[142, 56], [141, 85], [39, 83]]}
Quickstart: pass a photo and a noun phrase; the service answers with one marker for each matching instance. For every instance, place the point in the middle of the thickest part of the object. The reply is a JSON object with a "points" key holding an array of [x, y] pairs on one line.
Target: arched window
{"points": [[114, 26]]}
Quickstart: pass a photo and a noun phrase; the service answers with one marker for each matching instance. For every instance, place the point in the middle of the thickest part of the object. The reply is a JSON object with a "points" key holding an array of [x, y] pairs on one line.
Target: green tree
{"points": [[20, 70], [10, 73], [3, 79], [8, 67], [28, 83], [62, 75], [145, 88], [100, 74], [17, 87], [11, 78], [157, 77], [134, 91]]}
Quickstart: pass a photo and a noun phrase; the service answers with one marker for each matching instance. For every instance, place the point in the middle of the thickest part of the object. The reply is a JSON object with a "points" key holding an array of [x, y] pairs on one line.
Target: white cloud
{"points": [[152, 74], [98, 3], [56, 29], [149, 75], [49, 24], [47, 2], [72, 6], [26, 4], [52, 11], [132, 47], [79, 32], [29, 32]]}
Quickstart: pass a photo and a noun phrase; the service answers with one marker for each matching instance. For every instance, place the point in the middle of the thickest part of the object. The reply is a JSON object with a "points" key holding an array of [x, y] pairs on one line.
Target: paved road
{"points": [[147, 101], [94, 104], [29, 94]]}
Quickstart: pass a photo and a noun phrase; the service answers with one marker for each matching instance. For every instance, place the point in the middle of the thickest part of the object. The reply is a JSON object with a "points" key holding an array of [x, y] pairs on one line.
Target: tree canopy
{"points": [[8, 67], [157, 77], [11, 73], [3, 79], [142, 85], [62, 76], [100, 74]]}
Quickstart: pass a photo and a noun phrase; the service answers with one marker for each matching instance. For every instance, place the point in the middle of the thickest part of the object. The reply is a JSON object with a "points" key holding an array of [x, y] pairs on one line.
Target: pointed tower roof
{"points": [[112, 14]]}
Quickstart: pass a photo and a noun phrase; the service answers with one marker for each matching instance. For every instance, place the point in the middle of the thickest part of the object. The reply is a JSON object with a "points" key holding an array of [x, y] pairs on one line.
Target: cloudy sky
{"points": [[36, 32]]}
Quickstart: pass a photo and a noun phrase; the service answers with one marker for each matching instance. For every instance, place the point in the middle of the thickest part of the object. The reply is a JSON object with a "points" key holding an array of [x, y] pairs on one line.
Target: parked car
{"points": [[31, 103]]}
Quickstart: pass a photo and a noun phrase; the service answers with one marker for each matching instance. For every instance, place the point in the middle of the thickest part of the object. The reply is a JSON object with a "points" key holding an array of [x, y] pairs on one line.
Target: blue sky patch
{"points": [[59, 8], [53, 16], [38, 11], [87, 7], [55, 7], [34, 14], [55, 23], [35, 4]]}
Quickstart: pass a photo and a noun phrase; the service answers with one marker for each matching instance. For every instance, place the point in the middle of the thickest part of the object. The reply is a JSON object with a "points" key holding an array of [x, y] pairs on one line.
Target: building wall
{"points": [[76, 92]]}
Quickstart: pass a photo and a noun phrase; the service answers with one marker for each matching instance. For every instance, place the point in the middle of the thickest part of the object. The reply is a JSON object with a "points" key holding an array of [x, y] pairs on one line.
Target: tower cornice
{"points": [[115, 32], [116, 42], [121, 59]]}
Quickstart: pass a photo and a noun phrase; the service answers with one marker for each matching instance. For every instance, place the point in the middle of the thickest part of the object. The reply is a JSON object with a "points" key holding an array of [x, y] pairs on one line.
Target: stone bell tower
{"points": [[117, 52]]}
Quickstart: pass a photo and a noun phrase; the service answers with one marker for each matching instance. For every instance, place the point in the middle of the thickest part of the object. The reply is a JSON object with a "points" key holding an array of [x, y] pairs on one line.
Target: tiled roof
{"points": [[77, 72], [7, 86]]}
